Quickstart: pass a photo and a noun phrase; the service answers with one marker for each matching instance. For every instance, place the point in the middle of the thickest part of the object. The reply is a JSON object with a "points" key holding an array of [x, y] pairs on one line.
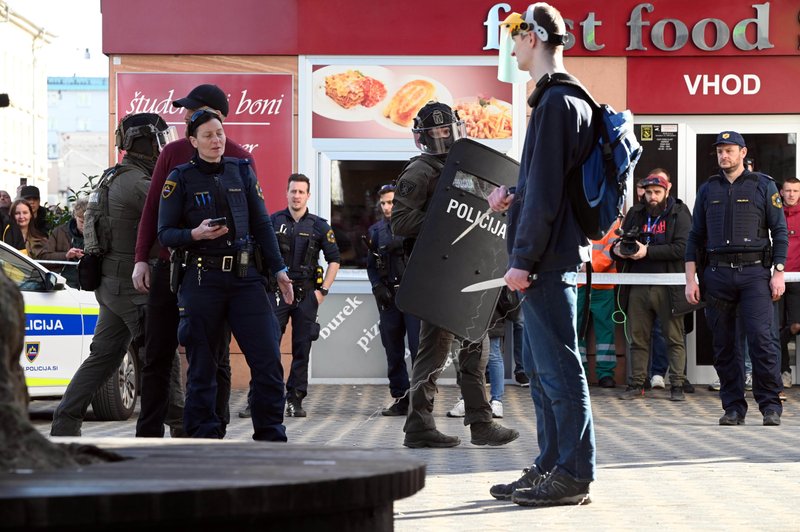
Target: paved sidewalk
{"points": [[660, 464]]}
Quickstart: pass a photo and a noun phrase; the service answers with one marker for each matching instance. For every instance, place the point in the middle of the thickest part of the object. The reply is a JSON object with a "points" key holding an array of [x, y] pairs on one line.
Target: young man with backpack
{"points": [[546, 247]]}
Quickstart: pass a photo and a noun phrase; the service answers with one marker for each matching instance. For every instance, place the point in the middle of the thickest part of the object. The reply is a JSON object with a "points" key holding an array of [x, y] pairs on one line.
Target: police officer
{"points": [[121, 306], [436, 127], [212, 208], [386, 263], [161, 372], [301, 236], [736, 214]]}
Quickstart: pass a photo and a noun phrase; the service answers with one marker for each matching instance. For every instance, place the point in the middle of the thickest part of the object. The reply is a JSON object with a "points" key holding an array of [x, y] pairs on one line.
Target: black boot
{"points": [[294, 405], [398, 408]]}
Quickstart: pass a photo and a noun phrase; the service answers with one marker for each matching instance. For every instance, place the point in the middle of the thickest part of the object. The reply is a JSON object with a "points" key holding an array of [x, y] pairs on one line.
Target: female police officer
{"points": [[212, 208]]}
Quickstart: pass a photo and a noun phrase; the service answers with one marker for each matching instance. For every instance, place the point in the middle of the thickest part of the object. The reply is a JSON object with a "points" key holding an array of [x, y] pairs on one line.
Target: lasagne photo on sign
{"points": [[351, 88]]}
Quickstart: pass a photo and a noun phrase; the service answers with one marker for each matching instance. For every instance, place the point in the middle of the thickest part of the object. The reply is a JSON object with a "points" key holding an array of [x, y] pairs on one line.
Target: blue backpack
{"points": [[598, 187]]}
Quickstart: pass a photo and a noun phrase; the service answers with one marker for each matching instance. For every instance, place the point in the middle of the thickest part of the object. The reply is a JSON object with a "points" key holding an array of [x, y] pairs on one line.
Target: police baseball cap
{"points": [[29, 191], [204, 96], [730, 137], [654, 179]]}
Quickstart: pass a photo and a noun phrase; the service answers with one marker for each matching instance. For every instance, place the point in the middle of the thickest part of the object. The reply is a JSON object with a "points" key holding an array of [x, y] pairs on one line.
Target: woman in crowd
{"points": [[20, 231]]}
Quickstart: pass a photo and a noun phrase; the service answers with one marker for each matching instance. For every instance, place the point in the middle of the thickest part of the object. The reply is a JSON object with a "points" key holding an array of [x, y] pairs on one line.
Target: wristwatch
{"points": [[323, 290], [779, 267]]}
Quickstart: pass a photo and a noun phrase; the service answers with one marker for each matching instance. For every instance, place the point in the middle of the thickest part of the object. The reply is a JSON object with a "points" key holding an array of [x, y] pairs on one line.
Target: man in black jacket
{"points": [[661, 225]]}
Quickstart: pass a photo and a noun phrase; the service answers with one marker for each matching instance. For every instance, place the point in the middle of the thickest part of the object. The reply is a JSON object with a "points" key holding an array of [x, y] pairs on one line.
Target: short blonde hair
{"points": [[79, 207]]}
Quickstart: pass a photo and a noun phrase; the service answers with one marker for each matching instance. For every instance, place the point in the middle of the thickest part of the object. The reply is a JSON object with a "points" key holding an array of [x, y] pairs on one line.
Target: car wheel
{"points": [[116, 399]]}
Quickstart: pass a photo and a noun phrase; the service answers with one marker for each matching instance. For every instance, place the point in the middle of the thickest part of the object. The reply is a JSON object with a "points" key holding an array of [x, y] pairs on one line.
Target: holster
{"points": [[177, 267], [721, 305]]}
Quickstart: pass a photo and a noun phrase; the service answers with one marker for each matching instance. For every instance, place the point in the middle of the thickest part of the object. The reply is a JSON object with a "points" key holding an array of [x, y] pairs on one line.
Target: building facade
{"points": [[23, 153], [686, 70]]}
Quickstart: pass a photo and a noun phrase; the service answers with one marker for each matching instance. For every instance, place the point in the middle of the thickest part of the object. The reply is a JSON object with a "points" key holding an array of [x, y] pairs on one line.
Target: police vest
{"points": [[734, 215], [300, 247], [390, 249], [212, 196]]}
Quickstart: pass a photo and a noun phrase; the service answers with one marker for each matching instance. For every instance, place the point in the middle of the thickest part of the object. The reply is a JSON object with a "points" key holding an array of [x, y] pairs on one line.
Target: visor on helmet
{"points": [[166, 136], [437, 140], [144, 125], [507, 68]]}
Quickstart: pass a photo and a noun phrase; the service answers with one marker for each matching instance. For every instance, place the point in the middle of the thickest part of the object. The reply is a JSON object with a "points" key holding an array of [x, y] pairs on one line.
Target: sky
{"points": [[77, 26]]}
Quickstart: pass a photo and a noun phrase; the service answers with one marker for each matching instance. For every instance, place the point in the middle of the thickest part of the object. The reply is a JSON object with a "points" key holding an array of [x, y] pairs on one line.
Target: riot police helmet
{"points": [[144, 134], [437, 127]]}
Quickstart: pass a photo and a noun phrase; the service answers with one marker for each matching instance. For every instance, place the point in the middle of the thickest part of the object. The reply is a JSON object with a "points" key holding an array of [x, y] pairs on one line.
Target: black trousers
{"points": [[161, 341]]}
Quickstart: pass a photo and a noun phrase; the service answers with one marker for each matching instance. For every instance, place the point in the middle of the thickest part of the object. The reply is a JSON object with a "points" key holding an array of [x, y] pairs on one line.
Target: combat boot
{"points": [[398, 408], [491, 433], [294, 405]]}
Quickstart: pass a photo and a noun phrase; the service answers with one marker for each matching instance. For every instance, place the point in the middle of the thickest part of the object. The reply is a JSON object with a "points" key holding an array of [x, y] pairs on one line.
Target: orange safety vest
{"points": [[601, 256]]}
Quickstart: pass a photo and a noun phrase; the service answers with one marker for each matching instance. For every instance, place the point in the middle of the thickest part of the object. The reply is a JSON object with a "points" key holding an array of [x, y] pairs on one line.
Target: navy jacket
{"points": [[543, 234]]}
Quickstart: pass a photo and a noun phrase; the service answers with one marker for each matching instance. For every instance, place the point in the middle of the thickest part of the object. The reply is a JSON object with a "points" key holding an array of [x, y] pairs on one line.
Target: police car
{"points": [[59, 325]]}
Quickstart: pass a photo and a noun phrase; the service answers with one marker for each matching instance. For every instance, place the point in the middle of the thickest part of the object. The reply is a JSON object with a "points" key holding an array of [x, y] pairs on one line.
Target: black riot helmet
{"points": [[144, 134], [437, 127]]}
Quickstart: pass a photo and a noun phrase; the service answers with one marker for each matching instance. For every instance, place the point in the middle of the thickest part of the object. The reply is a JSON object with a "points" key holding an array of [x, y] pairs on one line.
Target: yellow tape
{"points": [[45, 309], [34, 382]]}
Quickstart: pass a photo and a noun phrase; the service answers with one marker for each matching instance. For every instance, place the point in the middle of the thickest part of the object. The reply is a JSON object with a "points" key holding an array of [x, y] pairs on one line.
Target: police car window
{"points": [[24, 274], [473, 185]]}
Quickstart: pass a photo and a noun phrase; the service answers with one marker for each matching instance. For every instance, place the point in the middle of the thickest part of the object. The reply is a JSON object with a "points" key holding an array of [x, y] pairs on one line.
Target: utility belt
{"points": [[737, 260], [302, 288], [227, 263]]}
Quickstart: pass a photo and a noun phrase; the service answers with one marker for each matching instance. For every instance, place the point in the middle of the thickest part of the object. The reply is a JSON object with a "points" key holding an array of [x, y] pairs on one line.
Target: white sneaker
{"points": [[786, 377], [657, 382], [715, 386], [748, 382], [458, 410], [497, 409]]}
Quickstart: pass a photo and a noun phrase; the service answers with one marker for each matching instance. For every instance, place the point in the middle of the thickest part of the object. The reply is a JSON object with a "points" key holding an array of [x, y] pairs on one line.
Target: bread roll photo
{"points": [[408, 100]]}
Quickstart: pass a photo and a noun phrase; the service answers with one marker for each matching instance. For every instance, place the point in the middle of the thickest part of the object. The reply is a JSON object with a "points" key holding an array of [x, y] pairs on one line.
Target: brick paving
{"points": [[660, 464]]}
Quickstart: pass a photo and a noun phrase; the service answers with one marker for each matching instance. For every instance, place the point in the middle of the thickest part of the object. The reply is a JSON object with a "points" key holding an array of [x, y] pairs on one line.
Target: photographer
{"points": [[654, 241]]}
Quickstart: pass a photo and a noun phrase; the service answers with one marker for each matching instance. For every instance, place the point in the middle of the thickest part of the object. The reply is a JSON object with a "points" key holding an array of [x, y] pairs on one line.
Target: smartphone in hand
{"points": [[214, 222]]}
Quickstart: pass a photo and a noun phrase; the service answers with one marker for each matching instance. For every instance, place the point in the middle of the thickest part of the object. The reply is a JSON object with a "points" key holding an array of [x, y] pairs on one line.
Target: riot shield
{"points": [[444, 259]]}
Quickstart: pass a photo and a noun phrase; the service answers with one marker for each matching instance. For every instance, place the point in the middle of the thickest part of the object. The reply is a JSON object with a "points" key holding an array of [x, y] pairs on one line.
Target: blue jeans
{"points": [[559, 389], [517, 327], [497, 368]]}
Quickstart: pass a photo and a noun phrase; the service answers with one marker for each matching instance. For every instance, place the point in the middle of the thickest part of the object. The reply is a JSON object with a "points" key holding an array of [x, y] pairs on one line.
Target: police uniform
{"points": [[221, 283], [300, 243], [121, 306], [385, 266], [734, 222]]}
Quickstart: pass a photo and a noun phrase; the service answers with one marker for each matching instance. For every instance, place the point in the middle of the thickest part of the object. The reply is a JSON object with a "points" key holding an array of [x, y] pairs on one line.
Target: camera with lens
{"points": [[629, 241]]}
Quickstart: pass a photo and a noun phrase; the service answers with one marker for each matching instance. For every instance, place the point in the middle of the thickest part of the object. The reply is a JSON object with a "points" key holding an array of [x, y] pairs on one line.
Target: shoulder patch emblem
{"points": [[330, 236], [776, 201], [404, 188], [259, 191], [169, 188]]}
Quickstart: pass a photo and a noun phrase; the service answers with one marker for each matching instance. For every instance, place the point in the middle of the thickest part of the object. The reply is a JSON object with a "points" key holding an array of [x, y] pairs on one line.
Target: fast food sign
{"points": [[370, 101], [260, 116]]}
